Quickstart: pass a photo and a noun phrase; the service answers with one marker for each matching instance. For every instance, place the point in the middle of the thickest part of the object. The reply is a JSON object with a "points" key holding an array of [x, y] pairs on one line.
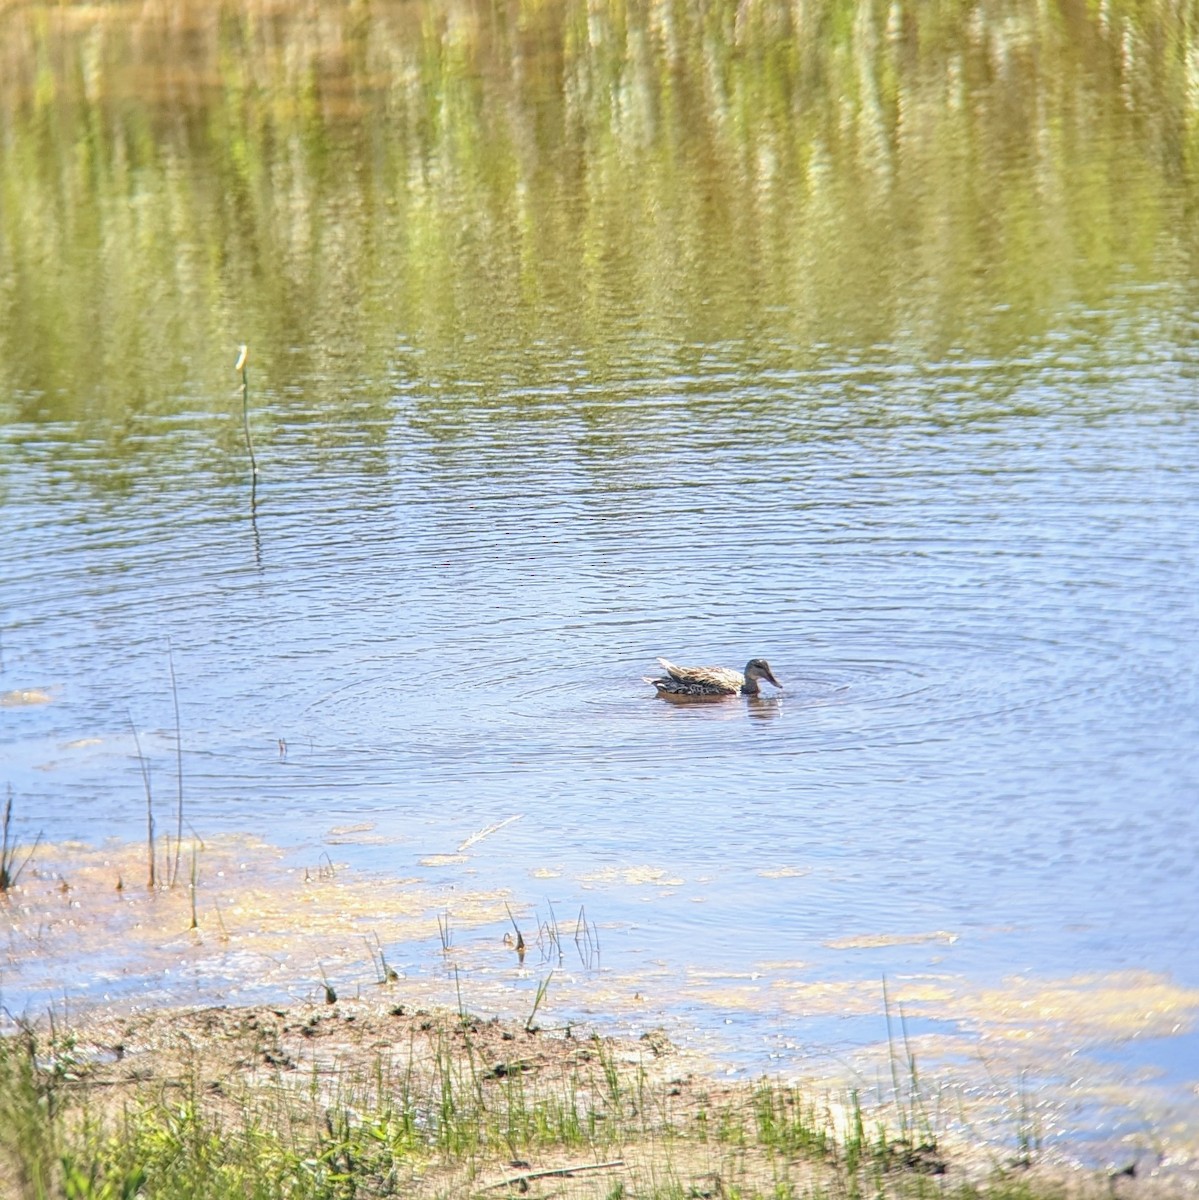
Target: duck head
{"points": [[759, 668]]}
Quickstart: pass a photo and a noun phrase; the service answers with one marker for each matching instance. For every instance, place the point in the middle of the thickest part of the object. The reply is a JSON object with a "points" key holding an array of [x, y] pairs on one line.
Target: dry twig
{"points": [[525, 1176]]}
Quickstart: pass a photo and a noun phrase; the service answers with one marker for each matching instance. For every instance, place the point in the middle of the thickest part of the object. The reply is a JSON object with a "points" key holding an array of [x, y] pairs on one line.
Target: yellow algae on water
{"points": [[869, 941], [86, 914], [1077, 1010], [746, 998], [24, 697], [1114, 1006], [837, 997], [632, 876], [784, 872], [362, 834], [702, 975]]}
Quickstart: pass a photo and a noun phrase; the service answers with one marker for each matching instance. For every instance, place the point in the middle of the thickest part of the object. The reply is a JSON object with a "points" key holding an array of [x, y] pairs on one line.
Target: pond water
{"points": [[580, 336]]}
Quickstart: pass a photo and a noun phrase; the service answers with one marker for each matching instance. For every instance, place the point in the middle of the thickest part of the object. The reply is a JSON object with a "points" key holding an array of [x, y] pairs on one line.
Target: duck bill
{"points": [[770, 676]]}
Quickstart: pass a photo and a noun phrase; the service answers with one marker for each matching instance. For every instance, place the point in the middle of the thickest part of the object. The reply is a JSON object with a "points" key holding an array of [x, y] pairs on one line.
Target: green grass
{"points": [[448, 1127]]}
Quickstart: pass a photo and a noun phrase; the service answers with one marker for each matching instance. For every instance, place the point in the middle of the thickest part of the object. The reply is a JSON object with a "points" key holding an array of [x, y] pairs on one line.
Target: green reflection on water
{"points": [[448, 200]]}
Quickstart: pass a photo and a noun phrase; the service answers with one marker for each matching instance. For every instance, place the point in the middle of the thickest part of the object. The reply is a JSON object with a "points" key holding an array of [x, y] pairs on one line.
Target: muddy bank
{"points": [[454, 1104]]}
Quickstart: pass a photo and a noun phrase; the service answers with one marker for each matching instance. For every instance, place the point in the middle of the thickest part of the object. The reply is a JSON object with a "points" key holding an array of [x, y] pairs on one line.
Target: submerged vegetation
{"points": [[353, 1101]]}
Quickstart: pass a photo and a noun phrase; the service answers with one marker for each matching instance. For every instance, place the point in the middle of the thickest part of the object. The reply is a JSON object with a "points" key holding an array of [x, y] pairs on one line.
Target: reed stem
{"points": [[141, 762], [243, 365]]}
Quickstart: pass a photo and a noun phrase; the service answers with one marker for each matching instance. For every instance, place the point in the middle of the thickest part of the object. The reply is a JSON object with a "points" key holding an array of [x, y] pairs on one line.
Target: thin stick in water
{"points": [[141, 761], [192, 888], [478, 837], [243, 365], [178, 765]]}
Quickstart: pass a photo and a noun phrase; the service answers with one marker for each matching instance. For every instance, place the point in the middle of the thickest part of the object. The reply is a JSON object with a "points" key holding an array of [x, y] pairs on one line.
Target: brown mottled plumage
{"points": [[712, 681]]}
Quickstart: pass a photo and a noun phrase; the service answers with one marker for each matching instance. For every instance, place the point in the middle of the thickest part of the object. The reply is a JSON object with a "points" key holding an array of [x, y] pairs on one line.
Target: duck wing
{"points": [[706, 679]]}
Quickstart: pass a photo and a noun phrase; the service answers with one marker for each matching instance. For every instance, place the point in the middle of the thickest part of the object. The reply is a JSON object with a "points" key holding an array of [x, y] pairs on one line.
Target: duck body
{"points": [[713, 681]]}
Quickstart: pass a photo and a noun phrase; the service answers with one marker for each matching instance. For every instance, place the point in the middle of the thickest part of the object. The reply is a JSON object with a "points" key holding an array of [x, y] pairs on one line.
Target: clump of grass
{"points": [[915, 1145], [384, 971], [27, 1127], [10, 872], [1028, 1130], [788, 1122], [325, 869]]}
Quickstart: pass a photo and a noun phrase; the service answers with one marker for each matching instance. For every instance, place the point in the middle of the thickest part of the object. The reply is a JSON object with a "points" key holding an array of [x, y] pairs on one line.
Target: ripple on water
{"points": [[985, 629]]}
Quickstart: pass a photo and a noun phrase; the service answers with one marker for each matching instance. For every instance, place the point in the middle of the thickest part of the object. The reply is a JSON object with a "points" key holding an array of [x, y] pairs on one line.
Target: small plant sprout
{"points": [[330, 994], [385, 973], [552, 935], [463, 1015], [520, 940], [543, 986], [586, 941]]}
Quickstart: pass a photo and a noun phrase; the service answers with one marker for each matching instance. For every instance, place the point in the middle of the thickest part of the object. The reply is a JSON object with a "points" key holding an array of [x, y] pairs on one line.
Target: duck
{"points": [[713, 681]]}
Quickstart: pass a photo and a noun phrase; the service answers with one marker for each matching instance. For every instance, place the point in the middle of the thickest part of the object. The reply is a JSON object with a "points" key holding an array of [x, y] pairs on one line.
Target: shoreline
{"points": [[1014, 1083], [431, 1102]]}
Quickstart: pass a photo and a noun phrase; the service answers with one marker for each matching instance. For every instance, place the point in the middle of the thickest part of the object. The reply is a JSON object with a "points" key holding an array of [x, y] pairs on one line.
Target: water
{"points": [[956, 512]]}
